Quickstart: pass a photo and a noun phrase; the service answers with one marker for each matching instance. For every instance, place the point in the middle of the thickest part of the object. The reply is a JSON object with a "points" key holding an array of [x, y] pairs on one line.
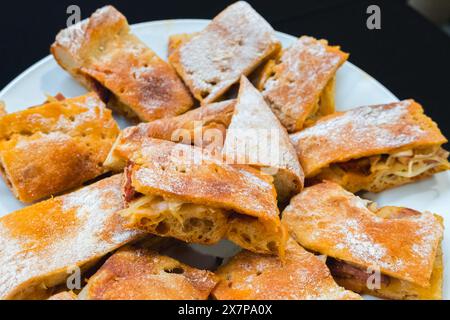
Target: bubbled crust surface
{"points": [[301, 276], [365, 131], [69, 139], [191, 175], [266, 141], [299, 77], [40, 242], [331, 221], [139, 274], [233, 44], [106, 51]]}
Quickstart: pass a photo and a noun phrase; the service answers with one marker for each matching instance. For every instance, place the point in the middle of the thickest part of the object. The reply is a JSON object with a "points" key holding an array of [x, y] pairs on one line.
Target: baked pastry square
{"points": [[403, 245], [181, 191], [55, 147], [141, 274], [106, 57], [299, 84], [42, 242], [255, 137], [301, 276], [204, 127], [373, 148], [233, 44]]}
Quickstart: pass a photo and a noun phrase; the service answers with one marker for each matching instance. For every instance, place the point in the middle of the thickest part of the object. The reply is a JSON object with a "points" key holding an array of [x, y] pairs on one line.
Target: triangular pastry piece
{"points": [[181, 191], [301, 276], [103, 54], [142, 274], [64, 296], [389, 252], [42, 243], [255, 137], [373, 148], [204, 127], [55, 147], [299, 84], [233, 44]]}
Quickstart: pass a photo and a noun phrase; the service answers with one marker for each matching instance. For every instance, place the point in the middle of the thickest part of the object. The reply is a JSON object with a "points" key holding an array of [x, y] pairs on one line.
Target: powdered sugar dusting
{"points": [[95, 206], [359, 243]]}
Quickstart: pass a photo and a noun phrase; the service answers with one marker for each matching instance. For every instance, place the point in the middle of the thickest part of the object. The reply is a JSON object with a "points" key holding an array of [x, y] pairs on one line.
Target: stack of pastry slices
{"points": [[235, 139]]}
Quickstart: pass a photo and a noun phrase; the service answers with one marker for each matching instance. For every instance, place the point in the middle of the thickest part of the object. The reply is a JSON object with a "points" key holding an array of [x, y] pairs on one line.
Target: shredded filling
{"points": [[385, 169]]}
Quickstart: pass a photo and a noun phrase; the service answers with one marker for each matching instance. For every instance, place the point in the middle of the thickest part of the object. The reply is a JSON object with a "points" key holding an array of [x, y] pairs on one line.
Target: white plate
{"points": [[354, 88]]}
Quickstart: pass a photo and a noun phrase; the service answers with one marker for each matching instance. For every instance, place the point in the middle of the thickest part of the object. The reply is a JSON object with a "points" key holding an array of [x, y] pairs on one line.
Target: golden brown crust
{"points": [[205, 127], [233, 44], [365, 131], [301, 276], [2, 109], [298, 79], [69, 139], [173, 170], [255, 137], [139, 274], [103, 54], [331, 221], [42, 242]]}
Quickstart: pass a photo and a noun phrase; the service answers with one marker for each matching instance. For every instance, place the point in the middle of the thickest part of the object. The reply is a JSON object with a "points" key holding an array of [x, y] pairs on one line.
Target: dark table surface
{"points": [[409, 55]]}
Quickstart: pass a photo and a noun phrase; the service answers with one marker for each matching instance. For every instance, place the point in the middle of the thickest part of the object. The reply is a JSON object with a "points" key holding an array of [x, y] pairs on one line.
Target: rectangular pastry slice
{"points": [[233, 44], [142, 274], [180, 191], [42, 244], [301, 276], [204, 127], [373, 148], [106, 57], [255, 137], [299, 84], [55, 147], [389, 252]]}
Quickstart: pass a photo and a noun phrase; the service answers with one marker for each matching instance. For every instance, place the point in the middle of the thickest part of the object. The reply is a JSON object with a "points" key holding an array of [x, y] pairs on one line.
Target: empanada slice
{"points": [[55, 147], [389, 252], [233, 44], [44, 244], [373, 148], [299, 84], [181, 191], [103, 54], [142, 274]]}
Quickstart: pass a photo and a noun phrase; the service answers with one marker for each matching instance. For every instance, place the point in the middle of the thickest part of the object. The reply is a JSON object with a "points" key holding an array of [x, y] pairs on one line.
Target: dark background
{"points": [[409, 55]]}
